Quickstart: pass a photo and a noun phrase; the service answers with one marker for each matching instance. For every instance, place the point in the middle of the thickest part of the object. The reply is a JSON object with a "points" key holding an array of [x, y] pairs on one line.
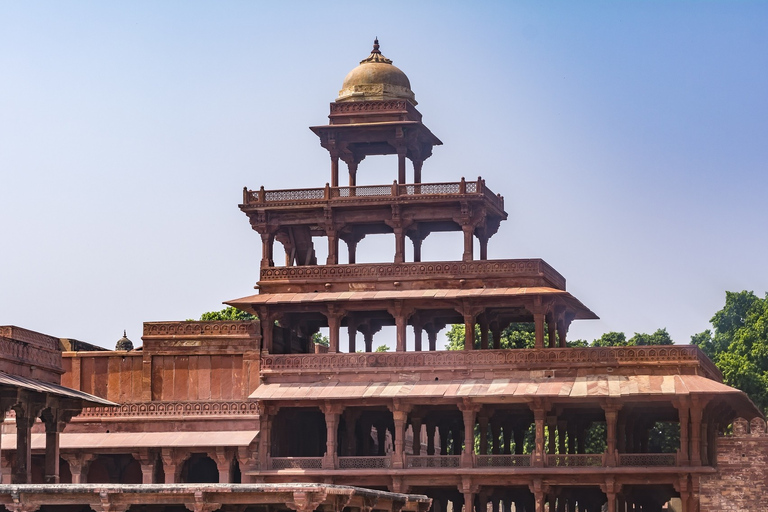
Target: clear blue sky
{"points": [[630, 140]]}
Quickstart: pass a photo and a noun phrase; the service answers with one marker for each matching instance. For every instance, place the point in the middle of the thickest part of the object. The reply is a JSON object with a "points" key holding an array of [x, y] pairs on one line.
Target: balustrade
{"points": [[296, 463], [576, 460], [379, 462], [501, 461], [432, 461], [647, 459]]}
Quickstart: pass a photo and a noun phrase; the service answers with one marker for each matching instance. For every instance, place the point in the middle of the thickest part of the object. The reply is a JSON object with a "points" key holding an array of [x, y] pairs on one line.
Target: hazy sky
{"points": [[629, 139]]}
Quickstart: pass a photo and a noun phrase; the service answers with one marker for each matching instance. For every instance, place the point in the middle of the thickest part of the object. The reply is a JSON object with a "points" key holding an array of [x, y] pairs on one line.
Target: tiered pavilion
{"points": [[258, 402]]}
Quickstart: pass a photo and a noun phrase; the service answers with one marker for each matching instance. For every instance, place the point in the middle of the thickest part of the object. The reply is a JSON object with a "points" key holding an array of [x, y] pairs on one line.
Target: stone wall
{"points": [[741, 481]]}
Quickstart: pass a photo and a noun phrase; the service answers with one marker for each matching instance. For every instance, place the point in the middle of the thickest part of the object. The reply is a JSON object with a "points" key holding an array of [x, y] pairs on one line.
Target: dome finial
{"points": [[376, 46], [124, 343]]}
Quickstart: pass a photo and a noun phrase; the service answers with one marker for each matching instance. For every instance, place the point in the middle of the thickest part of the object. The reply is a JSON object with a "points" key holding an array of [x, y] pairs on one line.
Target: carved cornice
{"points": [[369, 106], [521, 359], [197, 329], [165, 409], [419, 270]]}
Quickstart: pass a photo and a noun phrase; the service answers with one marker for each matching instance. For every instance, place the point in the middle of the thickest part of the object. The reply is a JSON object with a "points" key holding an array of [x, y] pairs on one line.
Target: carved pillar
{"points": [[332, 413], [540, 416], [147, 459], [55, 420], [551, 438], [537, 488], [333, 247], [519, 433], [27, 409], [267, 323], [432, 337], [417, 164], [78, 465], [697, 410], [495, 434], [368, 338], [401, 313], [416, 427], [334, 316], [352, 333], [352, 167], [551, 331], [171, 464], [400, 417], [430, 438], [443, 431], [561, 433], [401, 153], [399, 244], [267, 248], [483, 426], [334, 168], [468, 413], [468, 230], [496, 334], [417, 334], [350, 420], [611, 415], [683, 413], [483, 321], [469, 313], [538, 322]]}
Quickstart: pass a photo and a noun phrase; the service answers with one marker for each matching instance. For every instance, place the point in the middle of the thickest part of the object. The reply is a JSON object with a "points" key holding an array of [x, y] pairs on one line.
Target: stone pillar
{"points": [[332, 413], [417, 164], [333, 247], [416, 428], [417, 335], [27, 409], [55, 420], [611, 415], [416, 248], [483, 321], [350, 420], [267, 323], [171, 465], [401, 153], [697, 410], [334, 316], [400, 416], [495, 434], [432, 338], [334, 168], [468, 230], [443, 431], [223, 458], [519, 434], [147, 460], [540, 416], [399, 244], [496, 334], [267, 247], [78, 465], [483, 426], [352, 167], [352, 332], [537, 488], [468, 413], [538, 322], [368, 338], [551, 437], [683, 413], [430, 438]]}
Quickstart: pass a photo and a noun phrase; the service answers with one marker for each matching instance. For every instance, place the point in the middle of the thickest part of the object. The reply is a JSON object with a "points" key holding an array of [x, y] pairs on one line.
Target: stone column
{"points": [[540, 416], [267, 323], [697, 410], [611, 415], [78, 465], [417, 336], [468, 413], [496, 334], [352, 167], [538, 322], [333, 247], [171, 462], [402, 151], [332, 413], [334, 168], [432, 338], [352, 332], [147, 460], [537, 488], [416, 427], [334, 316], [27, 409], [683, 413], [483, 426], [551, 437], [267, 247], [399, 244], [483, 321], [400, 417], [430, 438], [55, 420], [468, 230], [495, 434], [417, 164], [401, 313]]}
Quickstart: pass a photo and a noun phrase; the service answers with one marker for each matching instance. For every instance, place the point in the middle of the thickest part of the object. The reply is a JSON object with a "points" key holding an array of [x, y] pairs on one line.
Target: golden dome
{"points": [[376, 79]]}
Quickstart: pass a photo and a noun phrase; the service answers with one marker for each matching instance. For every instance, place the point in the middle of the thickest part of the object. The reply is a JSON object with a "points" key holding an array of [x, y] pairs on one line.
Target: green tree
{"points": [[739, 344], [516, 335], [319, 339], [228, 313], [382, 348]]}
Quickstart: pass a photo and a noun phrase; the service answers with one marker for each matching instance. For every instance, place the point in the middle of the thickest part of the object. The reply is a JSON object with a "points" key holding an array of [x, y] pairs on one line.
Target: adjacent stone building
{"points": [[258, 403]]}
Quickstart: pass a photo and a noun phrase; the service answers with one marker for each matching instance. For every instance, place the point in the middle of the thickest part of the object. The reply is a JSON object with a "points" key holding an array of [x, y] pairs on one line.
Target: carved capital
{"points": [[201, 505], [304, 501]]}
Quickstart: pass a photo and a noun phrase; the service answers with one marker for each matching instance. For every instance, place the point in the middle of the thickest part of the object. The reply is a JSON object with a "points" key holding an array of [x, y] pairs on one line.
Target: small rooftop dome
{"points": [[124, 343], [376, 79]]}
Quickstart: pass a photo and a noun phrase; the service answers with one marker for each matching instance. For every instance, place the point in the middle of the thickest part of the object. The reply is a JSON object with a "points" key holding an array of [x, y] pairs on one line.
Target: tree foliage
{"points": [[739, 344], [228, 313]]}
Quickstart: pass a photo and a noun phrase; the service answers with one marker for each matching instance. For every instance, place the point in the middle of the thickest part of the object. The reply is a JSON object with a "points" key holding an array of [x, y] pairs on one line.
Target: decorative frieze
{"points": [[154, 409]]}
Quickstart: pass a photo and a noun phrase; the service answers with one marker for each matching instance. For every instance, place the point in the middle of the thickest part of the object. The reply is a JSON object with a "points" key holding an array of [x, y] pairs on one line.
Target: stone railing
{"points": [[173, 409], [523, 359], [308, 196], [194, 328], [432, 461], [575, 460], [503, 461], [377, 462], [487, 269], [647, 459], [278, 463]]}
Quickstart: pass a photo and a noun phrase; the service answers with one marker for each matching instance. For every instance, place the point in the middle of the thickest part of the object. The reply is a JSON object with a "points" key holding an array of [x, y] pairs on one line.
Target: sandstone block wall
{"points": [[741, 481]]}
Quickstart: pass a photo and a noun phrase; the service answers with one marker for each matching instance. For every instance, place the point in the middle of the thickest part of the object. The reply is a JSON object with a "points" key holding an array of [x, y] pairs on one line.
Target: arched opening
{"points": [[298, 432], [119, 468], [200, 469]]}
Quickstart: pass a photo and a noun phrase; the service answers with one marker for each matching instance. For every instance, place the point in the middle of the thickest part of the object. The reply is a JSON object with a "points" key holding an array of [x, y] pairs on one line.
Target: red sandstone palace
{"points": [[257, 402]]}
